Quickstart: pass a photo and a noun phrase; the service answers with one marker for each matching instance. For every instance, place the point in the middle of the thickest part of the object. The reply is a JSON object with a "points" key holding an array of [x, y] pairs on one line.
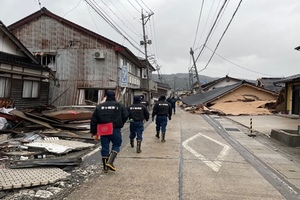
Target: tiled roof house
{"points": [[24, 82]]}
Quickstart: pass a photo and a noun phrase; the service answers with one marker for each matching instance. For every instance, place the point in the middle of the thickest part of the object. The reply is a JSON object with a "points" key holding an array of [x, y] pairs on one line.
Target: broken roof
{"points": [[268, 83], [289, 79], [211, 95], [29, 60]]}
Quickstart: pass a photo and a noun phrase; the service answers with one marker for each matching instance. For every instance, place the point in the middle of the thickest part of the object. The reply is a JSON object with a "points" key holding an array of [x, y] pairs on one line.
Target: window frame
{"points": [[30, 87], [6, 87]]}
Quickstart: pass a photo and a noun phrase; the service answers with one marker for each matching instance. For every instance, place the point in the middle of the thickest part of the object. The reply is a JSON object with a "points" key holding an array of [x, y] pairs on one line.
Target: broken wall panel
{"points": [[23, 116]]}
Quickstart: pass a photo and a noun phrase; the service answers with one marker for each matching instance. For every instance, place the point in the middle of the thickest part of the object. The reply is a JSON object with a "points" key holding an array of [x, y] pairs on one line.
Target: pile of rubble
{"points": [[234, 108], [57, 190], [40, 147]]}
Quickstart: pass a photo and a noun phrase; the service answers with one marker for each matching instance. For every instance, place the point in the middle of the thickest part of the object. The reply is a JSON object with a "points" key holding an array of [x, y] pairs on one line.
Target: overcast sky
{"points": [[259, 41]]}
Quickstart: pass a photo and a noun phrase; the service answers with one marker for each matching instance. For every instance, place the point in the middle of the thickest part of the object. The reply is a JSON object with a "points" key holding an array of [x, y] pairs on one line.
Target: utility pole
{"points": [[145, 42], [191, 79], [186, 83], [175, 77], [194, 62]]}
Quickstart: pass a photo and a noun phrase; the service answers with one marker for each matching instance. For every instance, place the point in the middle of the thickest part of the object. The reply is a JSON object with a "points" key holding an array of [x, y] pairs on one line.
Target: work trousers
{"points": [[115, 139], [173, 108], [161, 123], [136, 130]]}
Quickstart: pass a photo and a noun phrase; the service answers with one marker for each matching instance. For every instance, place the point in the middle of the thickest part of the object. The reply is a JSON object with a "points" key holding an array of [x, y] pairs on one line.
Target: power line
{"points": [[239, 65], [146, 6], [150, 31], [207, 20], [154, 33], [115, 26], [139, 5], [97, 9], [222, 35], [210, 32], [71, 9], [133, 6], [219, 21], [92, 18], [40, 4], [128, 11], [124, 18], [120, 19], [207, 38], [198, 23], [233, 72]]}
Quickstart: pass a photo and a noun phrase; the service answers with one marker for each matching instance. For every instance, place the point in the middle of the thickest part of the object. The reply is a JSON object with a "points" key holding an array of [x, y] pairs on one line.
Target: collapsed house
{"points": [[241, 98]]}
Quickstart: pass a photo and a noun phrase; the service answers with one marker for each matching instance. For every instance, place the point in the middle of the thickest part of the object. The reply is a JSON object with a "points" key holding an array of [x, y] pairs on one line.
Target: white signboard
{"points": [[124, 76]]}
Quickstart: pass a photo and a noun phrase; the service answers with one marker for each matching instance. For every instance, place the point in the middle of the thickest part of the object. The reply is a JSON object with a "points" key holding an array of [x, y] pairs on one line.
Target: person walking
{"points": [[144, 101], [113, 112], [173, 101], [162, 110], [137, 114]]}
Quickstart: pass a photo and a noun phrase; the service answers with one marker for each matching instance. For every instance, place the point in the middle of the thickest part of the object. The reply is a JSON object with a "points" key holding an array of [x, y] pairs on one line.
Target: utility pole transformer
{"points": [[194, 63], [145, 42]]}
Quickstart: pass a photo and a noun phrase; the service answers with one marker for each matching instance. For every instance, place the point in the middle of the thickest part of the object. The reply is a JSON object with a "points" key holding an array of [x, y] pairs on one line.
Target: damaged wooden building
{"points": [[23, 81], [84, 63]]}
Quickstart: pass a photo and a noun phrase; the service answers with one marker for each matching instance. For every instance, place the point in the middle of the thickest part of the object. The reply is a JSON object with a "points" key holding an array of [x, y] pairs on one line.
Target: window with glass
{"points": [[5, 84], [31, 89], [121, 62]]}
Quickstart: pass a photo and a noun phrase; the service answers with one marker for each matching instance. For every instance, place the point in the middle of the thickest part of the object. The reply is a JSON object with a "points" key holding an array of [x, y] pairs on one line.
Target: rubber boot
{"points": [[157, 134], [111, 159], [138, 146], [105, 168], [163, 134], [132, 143]]}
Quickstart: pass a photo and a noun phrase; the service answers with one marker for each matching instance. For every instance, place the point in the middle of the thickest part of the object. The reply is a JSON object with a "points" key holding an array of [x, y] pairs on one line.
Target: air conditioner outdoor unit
{"points": [[99, 55]]}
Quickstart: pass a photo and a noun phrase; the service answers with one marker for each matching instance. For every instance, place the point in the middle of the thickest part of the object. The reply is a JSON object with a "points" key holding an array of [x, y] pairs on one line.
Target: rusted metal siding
{"points": [[76, 66], [21, 103]]}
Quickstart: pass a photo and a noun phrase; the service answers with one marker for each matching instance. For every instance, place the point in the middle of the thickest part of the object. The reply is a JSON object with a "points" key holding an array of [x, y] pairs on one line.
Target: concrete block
{"points": [[289, 137]]}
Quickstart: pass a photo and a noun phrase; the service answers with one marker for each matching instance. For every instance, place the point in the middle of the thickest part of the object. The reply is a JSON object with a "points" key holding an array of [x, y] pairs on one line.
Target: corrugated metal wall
{"points": [[76, 66]]}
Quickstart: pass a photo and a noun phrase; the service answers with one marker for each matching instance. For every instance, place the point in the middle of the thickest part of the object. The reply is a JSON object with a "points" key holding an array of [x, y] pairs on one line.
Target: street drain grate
{"points": [[232, 129]]}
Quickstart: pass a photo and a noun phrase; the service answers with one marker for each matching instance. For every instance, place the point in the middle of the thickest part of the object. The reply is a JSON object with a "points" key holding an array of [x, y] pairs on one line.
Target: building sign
{"points": [[124, 76]]}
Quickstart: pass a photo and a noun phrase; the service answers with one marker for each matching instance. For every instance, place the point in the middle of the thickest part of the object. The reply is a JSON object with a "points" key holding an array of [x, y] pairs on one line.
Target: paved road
{"points": [[205, 157]]}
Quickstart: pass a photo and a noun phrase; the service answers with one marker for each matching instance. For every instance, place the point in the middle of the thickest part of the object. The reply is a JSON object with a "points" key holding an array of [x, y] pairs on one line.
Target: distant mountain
{"points": [[181, 81]]}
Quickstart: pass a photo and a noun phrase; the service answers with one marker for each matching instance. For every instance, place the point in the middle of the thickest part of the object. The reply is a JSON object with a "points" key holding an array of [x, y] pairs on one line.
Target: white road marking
{"points": [[91, 153], [216, 164]]}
